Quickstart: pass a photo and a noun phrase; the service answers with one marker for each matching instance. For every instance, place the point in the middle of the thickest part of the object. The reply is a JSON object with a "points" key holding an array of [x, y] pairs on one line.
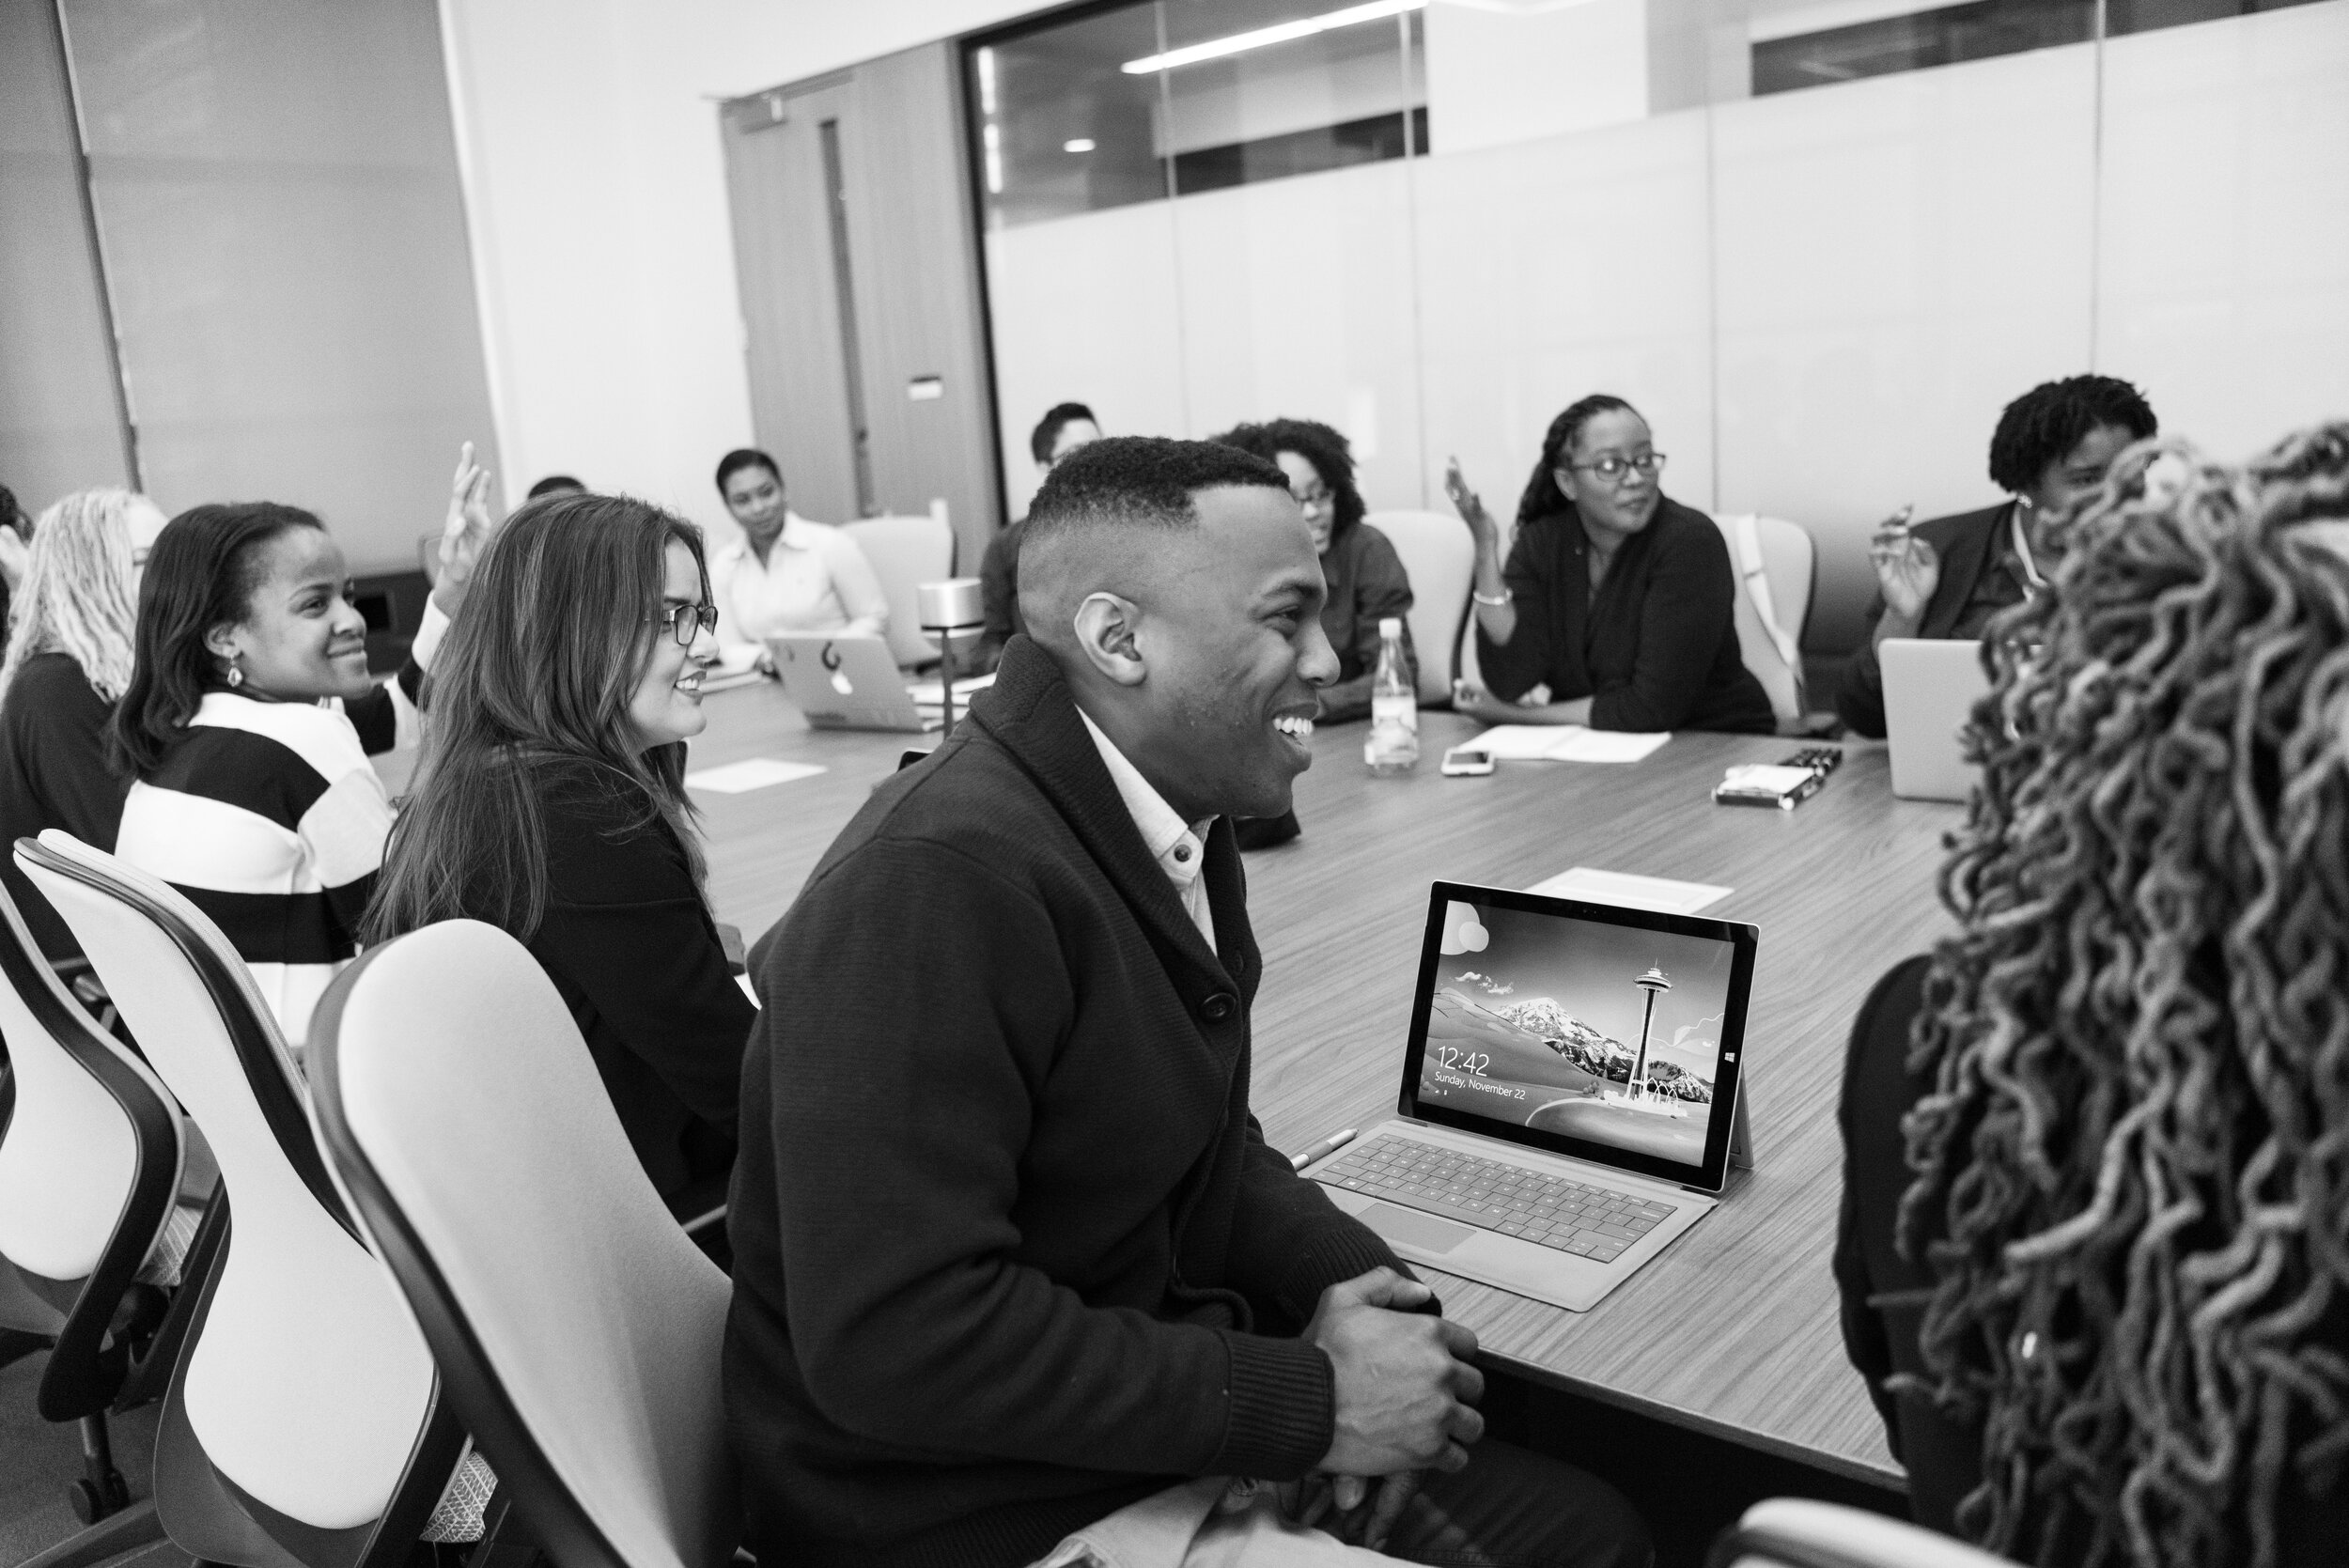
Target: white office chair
{"points": [[1777, 566], [579, 1328], [1439, 554], [905, 552], [1797, 1532], [303, 1424], [92, 1233]]}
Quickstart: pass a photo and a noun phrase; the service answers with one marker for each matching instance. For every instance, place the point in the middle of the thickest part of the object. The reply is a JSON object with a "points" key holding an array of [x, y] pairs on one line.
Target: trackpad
{"points": [[1414, 1229]]}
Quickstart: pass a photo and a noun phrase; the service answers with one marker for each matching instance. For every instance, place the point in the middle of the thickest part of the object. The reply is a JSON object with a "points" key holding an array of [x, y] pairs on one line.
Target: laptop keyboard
{"points": [[1587, 1222]]}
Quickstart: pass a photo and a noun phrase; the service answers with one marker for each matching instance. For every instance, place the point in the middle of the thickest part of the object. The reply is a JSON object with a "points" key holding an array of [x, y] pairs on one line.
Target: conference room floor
{"points": [[1732, 1331]]}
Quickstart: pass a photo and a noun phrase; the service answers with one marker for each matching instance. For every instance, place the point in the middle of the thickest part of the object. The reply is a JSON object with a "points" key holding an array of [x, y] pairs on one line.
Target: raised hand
{"points": [[14, 556], [1467, 502], [1907, 569], [465, 531], [1404, 1385]]}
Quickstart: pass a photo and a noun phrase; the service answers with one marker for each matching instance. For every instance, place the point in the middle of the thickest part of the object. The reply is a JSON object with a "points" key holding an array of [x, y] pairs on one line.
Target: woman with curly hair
{"points": [[1948, 577], [2095, 1251]]}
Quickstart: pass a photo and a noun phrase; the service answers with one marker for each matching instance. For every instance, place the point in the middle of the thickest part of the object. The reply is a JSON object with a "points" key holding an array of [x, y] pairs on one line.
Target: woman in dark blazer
{"points": [[549, 800], [1617, 600]]}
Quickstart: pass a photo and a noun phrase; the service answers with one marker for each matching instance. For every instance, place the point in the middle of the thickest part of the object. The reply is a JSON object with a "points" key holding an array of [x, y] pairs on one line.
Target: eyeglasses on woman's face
{"points": [[687, 621], [1612, 468]]}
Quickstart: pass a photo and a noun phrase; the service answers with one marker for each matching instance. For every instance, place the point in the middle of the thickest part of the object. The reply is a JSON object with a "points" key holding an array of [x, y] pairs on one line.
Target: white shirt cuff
{"points": [[429, 634]]}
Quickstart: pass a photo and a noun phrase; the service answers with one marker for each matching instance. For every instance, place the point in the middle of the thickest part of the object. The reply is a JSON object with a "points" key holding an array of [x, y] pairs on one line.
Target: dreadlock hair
{"points": [[75, 598], [1542, 498], [2053, 417], [1330, 453], [2129, 1176]]}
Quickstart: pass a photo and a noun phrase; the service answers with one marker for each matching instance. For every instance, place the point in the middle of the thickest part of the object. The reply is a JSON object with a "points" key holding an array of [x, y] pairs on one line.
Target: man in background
{"points": [[1063, 429]]}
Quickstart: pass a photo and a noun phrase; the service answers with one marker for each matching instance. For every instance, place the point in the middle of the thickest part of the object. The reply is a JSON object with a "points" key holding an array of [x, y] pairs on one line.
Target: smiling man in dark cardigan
{"points": [[1011, 1253]]}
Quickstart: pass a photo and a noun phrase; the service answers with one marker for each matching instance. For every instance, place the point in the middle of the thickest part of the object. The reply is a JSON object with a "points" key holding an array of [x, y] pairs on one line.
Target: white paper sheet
{"points": [[929, 693], [1626, 891], [749, 773], [1567, 743]]}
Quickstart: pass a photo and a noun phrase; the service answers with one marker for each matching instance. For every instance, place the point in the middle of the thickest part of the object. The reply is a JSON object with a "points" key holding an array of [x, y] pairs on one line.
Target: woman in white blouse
{"points": [[787, 574]]}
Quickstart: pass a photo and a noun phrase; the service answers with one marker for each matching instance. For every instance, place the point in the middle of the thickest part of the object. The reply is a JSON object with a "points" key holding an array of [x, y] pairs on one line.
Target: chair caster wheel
{"points": [[90, 1504]]}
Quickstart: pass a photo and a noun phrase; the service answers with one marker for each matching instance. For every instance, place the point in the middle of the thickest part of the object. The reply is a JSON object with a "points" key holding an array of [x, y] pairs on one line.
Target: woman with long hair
{"points": [[66, 665], [550, 802], [1616, 600], [2092, 1248], [246, 729]]}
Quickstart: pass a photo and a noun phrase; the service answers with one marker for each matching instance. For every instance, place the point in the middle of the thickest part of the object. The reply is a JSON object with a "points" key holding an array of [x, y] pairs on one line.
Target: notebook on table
{"points": [[1569, 1101]]}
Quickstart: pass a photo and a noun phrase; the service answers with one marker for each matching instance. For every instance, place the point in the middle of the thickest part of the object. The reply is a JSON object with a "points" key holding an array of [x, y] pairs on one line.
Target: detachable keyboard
{"points": [[1571, 1217]]}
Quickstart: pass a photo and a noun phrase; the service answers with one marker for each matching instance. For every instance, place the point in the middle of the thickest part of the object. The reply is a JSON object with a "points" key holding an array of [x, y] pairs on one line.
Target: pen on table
{"points": [[1334, 1142]]}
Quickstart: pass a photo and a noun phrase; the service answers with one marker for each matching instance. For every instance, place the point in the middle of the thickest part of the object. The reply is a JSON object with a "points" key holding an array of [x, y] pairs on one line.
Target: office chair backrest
{"points": [[1776, 565], [308, 1383], [90, 1162], [578, 1330], [71, 1154], [905, 552], [1439, 554], [1797, 1532]]}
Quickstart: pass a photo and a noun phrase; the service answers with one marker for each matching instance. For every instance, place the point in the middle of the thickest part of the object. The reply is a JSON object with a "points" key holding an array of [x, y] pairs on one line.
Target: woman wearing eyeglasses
{"points": [[1615, 609], [1365, 577], [550, 802]]}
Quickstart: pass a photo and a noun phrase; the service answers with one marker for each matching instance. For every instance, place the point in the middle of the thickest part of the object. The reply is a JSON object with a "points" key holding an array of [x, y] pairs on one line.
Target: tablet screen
{"points": [[1591, 1031]]}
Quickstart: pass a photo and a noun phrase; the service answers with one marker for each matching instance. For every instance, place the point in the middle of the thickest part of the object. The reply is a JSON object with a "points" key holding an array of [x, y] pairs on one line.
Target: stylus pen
{"points": [[1324, 1149]]}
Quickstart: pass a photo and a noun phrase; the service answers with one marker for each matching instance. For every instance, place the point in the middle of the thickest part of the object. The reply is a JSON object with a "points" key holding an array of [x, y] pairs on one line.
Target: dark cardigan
{"points": [[1657, 650], [1885, 1295], [53, 774], [1010, 1251], [1967, 545], [630, 944]]}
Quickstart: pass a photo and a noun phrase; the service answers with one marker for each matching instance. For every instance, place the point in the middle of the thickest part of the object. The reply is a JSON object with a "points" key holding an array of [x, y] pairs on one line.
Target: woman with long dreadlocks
{"points": [[2095, 1253]]}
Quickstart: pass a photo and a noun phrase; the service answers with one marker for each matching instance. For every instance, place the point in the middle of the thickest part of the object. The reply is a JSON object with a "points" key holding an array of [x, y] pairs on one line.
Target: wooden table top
{"points": [[1734, 1330]]}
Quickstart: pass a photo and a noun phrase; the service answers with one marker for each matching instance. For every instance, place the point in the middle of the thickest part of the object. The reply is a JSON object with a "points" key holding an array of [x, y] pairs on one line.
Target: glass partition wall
{"points": [[1820, 243]]}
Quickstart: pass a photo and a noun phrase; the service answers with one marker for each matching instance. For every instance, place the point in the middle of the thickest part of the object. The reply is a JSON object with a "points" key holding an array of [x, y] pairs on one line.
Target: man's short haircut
{"points": [[1059, 417], [1139, 481], [554, 484], [2053, 417], [741, 459]]}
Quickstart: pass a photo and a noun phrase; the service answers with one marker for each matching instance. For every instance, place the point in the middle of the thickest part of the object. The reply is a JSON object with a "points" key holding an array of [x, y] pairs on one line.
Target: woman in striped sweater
{"points": [[247, 728]]}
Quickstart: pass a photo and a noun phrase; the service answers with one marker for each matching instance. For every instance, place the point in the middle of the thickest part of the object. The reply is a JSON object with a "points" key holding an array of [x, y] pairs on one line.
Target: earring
{"points": [[236, 677]]}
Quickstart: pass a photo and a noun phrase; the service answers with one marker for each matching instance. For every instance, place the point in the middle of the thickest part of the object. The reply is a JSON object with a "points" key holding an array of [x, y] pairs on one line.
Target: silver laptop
{"points": [[846, 683], [1569, 1100], [1930, 689]]}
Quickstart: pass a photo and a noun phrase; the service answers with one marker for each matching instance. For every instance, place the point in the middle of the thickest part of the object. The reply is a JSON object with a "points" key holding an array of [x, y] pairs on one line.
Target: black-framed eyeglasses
{"points": [[687, 621], [1612, 468], [1313, 502]]}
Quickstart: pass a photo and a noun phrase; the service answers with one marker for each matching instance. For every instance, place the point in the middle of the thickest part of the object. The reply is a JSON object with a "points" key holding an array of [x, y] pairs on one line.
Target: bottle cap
{"points": [[1391, 626]]}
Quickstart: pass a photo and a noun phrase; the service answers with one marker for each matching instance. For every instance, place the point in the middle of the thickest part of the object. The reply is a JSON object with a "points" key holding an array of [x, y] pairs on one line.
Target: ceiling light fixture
{"points": [[1080, 144], [1305, 27]]}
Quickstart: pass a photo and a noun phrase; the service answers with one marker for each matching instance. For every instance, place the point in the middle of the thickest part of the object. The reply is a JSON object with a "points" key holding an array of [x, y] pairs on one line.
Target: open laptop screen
{"points": [[1609, 1035]]}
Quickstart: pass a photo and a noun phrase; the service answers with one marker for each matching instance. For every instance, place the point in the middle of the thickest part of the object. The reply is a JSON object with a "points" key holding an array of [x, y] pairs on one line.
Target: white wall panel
{"points": [[1898, 259], [1554, 269], [1296, 304], [2224, 282], [1083, 309], [1496, 76]]}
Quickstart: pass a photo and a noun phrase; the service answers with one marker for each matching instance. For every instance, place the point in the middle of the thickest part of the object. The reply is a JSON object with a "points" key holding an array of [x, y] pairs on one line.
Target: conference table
{"points": [[1732, 1332]]}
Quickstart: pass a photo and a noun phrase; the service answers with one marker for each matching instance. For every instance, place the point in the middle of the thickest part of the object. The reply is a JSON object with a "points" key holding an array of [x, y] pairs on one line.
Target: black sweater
{"points": [[1885, 1295], [53, 774], [630, 944], [1657, 650], [1010, 1251]]}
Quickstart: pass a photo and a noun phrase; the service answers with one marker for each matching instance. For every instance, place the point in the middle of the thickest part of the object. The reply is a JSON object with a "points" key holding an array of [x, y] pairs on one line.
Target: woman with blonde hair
{"points": [[68, 663]]}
